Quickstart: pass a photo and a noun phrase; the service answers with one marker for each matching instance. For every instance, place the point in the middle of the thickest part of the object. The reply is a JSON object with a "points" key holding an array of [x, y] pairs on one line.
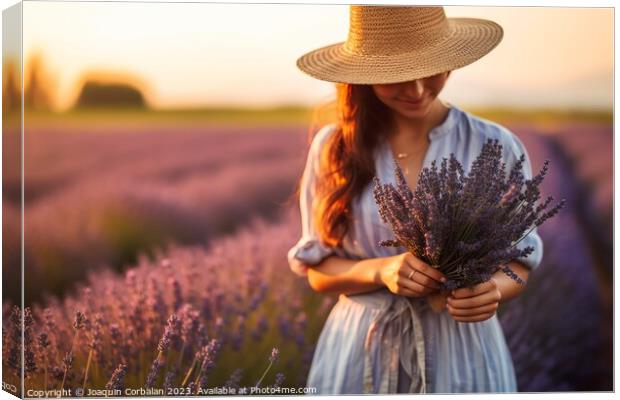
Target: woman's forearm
{"points": [[342, 275], [507, 286]]}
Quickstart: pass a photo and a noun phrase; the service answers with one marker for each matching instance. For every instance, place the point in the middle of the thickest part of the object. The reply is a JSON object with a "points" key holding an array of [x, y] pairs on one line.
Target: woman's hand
{"points": [[475, 304], [407, 275]]}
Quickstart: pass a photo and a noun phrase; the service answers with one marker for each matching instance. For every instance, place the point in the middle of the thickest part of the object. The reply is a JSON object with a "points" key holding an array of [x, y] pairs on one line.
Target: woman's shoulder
{"points": [[481, 130], [324, 132], [321, 136]]}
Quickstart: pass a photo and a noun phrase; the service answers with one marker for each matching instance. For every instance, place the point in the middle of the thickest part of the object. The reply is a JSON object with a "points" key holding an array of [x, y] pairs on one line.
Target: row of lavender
{"points": [[95, 198], [192, 318], [211, 318], [587, 151], [556, 330]]}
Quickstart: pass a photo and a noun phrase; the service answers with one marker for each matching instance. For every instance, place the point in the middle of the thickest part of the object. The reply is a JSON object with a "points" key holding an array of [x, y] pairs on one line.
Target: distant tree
{"points": [[10, 88], [38, 85], [109, 95]]}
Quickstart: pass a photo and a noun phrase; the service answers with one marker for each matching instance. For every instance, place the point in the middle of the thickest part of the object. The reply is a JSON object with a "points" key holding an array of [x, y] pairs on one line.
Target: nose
{"points": [[414, 89]]}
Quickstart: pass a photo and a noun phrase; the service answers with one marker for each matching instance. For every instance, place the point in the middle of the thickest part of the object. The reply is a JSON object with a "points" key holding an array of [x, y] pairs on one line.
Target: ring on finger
{"points": [[412, 273]]}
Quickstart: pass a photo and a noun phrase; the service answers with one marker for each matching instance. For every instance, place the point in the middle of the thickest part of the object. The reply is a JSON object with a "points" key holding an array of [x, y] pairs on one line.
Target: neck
{"points": [[415, 130]]}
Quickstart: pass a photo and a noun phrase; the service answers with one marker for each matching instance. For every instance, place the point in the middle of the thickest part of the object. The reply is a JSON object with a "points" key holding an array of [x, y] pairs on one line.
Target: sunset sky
{"points": [[192, 55]]}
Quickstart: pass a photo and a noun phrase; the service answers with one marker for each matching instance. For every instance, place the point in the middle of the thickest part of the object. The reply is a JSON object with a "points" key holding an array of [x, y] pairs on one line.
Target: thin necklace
{"points": [[402, 156]]}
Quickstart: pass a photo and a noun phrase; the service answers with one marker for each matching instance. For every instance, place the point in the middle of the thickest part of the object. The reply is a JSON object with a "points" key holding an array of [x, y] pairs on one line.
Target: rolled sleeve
{"points": [[532, 261], [513, 149], [309, 250]]}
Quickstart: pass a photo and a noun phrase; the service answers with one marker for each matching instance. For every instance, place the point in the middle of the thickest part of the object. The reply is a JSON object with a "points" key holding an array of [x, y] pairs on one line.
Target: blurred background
{"points": [[154, 128]]}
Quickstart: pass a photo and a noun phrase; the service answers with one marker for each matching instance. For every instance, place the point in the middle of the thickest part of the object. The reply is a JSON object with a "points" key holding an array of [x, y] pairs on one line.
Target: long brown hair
{"points": [[346, 159]]}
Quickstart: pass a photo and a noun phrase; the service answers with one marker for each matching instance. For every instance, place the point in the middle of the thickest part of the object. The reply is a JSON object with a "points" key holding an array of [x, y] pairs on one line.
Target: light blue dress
{"points": [[380, 342]]}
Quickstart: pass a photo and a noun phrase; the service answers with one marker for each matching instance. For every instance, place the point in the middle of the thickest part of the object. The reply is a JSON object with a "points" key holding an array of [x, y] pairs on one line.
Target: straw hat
{"points": [[388, 44]]}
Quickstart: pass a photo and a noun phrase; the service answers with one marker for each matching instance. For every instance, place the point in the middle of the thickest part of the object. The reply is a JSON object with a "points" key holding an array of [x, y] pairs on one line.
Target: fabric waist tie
{"points": [[395, 335]]}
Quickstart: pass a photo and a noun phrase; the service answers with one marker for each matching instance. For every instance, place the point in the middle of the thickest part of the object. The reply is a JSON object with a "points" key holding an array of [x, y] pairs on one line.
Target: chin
{"points": [[411, 112]]}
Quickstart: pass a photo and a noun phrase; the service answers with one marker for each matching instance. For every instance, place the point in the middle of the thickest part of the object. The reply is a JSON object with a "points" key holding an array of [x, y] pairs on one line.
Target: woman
{"points": [[381, 336]]}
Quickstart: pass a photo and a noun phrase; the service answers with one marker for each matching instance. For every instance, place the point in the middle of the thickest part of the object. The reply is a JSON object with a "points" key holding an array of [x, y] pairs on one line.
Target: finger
{"points": [[404, 291], [475, 301], [474, 290], [415, 287], [424, 268], [468, 312], [420, 278], [476, 318]]}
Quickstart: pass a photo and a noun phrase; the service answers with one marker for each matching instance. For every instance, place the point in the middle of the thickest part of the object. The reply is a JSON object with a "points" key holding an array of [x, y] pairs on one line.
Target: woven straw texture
{"points": [[388, 44]]}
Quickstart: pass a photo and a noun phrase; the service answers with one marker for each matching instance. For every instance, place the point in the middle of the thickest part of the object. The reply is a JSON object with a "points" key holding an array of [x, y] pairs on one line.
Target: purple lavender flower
{"points": [[97, 337], [300, 330], [117, 381], [156, 304], [169, 380], [467, 225], [29, 354], [208, 355], [285, 325], [176, 293], [273, 358], [239, 334], [153, 372], [43, 340], [67, 363], [235, 379], [261, 327], [189, 323], [15, 335], [78, 321], [275, 355], [219, 327], [171, 333], [279, 380]]}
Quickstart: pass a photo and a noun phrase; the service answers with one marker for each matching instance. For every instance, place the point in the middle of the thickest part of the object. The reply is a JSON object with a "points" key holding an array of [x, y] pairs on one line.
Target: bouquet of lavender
{"points": [[468, 226]]}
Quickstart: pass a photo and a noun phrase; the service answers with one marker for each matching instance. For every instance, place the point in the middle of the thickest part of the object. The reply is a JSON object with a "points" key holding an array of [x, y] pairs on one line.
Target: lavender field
{"points": [[564, 319], [95, 198], [190, 318], [158, 257]]}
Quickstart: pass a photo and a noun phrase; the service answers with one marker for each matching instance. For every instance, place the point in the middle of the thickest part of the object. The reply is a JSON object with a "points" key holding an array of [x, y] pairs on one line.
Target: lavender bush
{"points": [[96, 197], [190, 317], [559, 330], [468, 226]]}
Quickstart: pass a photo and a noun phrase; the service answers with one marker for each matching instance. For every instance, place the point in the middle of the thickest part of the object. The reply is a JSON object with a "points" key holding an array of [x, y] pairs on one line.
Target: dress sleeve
{"points": [[513, 149], [309, 250]]}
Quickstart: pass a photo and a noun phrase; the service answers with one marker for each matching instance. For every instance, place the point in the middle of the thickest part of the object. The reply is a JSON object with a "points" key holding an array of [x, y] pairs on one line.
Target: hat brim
{"points": [[469, 40]]}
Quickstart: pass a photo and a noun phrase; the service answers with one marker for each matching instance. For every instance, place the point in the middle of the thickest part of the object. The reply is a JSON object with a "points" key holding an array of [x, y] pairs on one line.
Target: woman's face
{"points": [[412, 99]]}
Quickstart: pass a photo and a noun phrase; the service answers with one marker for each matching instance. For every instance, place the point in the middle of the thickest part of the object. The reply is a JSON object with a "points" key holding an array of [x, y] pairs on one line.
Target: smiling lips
{"points": [[413, 103]]}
